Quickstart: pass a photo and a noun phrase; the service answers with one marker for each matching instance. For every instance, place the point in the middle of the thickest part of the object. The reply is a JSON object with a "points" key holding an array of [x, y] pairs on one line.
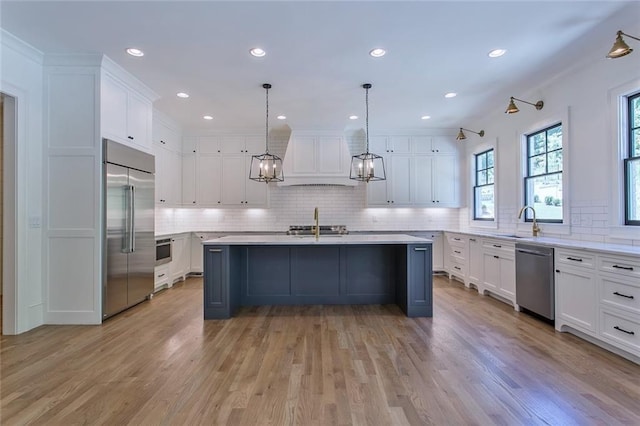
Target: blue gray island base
{"points": [[254, 275]]}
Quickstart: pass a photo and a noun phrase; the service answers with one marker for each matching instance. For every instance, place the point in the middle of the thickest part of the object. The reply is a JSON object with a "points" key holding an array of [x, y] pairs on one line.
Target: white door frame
{"points": [[9, 276]]}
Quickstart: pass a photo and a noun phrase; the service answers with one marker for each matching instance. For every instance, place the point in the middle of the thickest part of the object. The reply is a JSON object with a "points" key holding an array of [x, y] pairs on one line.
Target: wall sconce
{"points": [[512, 108], [461, 136], [620, 48]]}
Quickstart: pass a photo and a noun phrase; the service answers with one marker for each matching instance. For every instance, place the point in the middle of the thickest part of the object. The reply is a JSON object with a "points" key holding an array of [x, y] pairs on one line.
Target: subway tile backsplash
{"points": [[294, 205]]}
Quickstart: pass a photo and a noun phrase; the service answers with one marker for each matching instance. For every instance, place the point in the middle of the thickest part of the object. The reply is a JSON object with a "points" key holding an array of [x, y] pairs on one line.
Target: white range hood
{"points": [[317, 158]]}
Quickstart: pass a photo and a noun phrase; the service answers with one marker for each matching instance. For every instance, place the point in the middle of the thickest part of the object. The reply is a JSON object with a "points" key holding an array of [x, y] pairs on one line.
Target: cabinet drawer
{"points": [[575, 258], [624, 266], [619, 294], [458, 268], [459, 252], [621, 329], [499, 247], [457, 240], [161, 276]]}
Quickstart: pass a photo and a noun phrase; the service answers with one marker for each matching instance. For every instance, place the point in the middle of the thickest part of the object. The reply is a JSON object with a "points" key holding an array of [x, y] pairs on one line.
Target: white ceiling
{"points": [[317, 54]]}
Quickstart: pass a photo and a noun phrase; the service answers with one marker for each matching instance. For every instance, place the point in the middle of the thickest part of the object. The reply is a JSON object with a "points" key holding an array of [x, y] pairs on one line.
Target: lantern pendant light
{"points": [[367, 166], [266, 167]]}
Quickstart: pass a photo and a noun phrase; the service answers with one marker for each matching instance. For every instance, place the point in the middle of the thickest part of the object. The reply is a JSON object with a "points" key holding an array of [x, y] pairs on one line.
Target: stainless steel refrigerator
{"points": [[129, 240]]}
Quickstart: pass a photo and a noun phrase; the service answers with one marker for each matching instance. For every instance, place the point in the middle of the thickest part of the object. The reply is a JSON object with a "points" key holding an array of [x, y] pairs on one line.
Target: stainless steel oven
{"points": [[163, 251]]}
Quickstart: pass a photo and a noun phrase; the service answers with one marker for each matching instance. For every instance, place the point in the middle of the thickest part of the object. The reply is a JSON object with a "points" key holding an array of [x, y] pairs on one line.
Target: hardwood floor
{"points": [[476, 362]]}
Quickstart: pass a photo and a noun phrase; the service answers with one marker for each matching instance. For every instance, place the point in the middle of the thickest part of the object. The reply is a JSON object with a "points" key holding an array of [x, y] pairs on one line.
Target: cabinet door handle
{"points": [[497, 246], [457, 267], [626, 268], [623, 295], [130, 137], [472, 239], [161, 275], [456, 251], [420, 249], [624, 331], [215, 250], [575, 259], [456, 239], [497, 257]]}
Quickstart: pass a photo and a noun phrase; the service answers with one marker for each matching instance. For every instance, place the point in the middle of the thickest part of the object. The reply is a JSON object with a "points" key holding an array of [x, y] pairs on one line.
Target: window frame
{"points": [[476, 185], [629, 155], [527, 174]]}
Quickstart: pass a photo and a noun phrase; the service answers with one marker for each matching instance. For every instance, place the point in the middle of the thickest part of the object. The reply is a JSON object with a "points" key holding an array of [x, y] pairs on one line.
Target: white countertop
{"points": [[299, 240], [562, 243]]}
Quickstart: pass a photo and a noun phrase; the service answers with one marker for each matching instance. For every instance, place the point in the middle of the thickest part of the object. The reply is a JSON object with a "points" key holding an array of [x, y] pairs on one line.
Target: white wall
{"points": [[580, 98], [21, 78]]}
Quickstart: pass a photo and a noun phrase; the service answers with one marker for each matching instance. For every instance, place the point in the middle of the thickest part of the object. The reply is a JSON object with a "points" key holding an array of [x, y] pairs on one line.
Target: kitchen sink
{"points": [[509, 236]]}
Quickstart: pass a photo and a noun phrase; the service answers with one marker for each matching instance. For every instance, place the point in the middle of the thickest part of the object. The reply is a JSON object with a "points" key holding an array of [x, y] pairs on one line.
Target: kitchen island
{"points": [[252, 270]]}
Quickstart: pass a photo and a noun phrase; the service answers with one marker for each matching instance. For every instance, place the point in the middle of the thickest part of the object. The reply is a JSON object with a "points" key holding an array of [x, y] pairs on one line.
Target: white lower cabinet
{"points": [[576, 292], [437, 248], [476, 262], [181, 257], [499, 274], [162, 276], [197, 255]]}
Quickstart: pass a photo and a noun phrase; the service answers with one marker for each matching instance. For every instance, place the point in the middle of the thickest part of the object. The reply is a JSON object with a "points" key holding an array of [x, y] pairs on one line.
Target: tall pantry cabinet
{"points": [[86, 97]]}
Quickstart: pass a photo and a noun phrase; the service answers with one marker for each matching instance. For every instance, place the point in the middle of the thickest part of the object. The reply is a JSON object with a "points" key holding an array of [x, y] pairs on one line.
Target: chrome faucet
{"points": [[316, 217], [536, 228]]}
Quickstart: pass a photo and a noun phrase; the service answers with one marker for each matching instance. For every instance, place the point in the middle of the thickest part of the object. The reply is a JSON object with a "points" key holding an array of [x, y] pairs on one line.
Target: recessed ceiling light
{"points": [[281, 117], [450, 95], [208, 117], [378, 52], [182, 95], [135, 52], [425, 117], [496, 53], [257, 52], [353, 117]]}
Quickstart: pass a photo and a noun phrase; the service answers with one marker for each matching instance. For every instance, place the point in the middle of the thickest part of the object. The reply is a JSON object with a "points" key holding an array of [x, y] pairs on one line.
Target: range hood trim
{"points": [[317, 178]]}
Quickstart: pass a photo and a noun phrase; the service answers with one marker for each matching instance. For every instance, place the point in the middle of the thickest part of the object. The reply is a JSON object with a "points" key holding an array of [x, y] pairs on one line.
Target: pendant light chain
{"points": [[266, 137], [366, 102]]}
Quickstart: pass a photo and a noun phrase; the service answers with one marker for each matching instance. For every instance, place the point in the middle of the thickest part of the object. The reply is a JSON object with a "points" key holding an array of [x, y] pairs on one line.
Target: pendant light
{"points": [[367, 166], [266, 167]]}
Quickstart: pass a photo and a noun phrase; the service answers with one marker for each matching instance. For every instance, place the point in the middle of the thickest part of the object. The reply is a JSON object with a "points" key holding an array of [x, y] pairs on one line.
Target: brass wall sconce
{"points": [[620, 48], [512, 108], [461, 136]]}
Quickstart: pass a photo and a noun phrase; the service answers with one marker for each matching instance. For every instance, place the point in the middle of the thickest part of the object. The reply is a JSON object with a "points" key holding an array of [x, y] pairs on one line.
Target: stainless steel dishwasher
{"points": [[535, 279]]}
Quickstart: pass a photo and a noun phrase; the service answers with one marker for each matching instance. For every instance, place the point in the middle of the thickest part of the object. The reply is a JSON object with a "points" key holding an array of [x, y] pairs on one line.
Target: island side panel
{"points": [[315, 275], [266, 278], [370, 274], [419, 298]]}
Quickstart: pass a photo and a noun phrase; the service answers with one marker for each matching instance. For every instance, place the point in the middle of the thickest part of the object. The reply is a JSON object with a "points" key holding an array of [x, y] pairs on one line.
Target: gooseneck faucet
{"points": [[536, 228], [316, 217]]}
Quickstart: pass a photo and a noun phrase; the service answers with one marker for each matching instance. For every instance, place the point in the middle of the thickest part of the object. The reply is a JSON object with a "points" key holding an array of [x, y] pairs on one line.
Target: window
{"points": [[483, 190], [632, 163], [543, 180]]}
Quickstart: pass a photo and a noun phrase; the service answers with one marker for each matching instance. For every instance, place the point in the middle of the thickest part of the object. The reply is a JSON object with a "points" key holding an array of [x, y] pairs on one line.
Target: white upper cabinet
{"points": [[125, 113], [167, 148], [421, 171], [434, 145], [215, 171]]}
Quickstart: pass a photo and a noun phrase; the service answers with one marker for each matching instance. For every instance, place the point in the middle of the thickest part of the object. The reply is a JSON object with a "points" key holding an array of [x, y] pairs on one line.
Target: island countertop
{"points": [[296, 240]]}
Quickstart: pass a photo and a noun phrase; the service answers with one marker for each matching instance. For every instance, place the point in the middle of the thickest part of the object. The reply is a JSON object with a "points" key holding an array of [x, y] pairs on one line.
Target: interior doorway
{"points": [[8, 114]]}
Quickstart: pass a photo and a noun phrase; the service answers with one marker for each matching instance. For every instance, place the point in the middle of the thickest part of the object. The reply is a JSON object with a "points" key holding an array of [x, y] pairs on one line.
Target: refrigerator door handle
{"points": [[128, 227], [132, 220]]}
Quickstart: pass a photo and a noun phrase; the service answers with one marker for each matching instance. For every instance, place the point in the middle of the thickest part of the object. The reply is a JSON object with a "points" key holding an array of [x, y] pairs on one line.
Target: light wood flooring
{"points": [[475, 362]]}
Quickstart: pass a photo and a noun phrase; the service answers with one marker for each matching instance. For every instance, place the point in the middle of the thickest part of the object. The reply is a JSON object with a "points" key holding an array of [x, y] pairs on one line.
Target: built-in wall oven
{"points": [[163, 251]]}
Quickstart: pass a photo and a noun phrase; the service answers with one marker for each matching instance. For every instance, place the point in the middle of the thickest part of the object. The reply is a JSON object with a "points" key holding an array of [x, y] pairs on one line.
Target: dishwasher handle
{"points": [[535, 253]]}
